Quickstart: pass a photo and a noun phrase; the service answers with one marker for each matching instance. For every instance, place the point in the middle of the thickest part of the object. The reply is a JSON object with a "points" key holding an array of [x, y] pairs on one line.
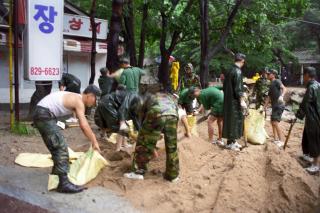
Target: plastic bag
{"points": [[42, 160], [192, 121], [254, 127], [82, 170]]}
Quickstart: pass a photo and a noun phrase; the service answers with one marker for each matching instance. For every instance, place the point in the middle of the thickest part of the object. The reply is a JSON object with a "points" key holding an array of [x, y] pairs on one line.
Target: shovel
{"points": [[289, 133]]}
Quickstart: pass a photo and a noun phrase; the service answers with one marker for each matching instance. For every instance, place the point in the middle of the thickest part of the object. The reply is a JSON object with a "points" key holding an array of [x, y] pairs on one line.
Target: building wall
{"points": [[75, 62]]}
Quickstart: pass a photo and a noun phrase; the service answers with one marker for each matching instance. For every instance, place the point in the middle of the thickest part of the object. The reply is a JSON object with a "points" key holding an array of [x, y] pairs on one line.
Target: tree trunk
{"points": [[113, 35], [216, 47], [129, 25], [204, 23], [163, 73], [318, 42], [43, 88], [94, 41], [143, 34]]}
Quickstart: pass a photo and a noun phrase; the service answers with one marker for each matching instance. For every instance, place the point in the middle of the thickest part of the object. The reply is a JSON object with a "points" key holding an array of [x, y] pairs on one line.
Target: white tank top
{"points": [[54, 102]]}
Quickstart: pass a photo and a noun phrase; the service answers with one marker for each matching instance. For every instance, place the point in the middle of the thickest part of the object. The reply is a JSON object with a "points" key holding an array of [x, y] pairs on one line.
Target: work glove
{"points": [[244, 107], [124, 127], [243, 104], [281, 100]]}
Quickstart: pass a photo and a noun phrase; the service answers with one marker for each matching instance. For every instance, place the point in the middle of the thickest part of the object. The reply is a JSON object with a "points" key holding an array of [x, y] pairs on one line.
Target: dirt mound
{"points": [[258, 179]]}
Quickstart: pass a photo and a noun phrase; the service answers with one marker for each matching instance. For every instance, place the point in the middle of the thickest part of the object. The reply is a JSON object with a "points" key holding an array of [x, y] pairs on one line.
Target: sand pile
{"points": [[258, 179]]}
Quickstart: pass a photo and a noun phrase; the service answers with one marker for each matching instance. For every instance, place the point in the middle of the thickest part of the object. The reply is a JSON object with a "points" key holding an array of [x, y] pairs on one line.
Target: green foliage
{"points": [[260, 27], [21, 128]]}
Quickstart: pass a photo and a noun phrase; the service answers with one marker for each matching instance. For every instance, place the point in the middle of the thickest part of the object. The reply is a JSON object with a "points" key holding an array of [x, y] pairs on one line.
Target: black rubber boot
{"points": [[65, 186]]}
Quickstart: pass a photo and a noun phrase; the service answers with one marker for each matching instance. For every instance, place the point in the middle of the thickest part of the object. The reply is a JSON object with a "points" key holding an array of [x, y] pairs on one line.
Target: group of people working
{"points": [[157, 114]]}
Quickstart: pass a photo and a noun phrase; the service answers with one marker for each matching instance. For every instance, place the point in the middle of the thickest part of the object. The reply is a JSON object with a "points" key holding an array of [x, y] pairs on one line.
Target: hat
{"points": [[103, 70], [189, 65], [240, 57], [264, 70], [92, 89], [273, 71], [124, 60]]}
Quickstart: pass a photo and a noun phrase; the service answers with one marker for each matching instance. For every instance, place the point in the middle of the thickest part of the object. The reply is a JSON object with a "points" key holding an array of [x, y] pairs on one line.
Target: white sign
{"points": [[44, 40], [81, 26]]}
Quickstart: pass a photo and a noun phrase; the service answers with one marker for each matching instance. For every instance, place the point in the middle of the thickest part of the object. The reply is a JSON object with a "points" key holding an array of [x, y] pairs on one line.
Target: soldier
{"points": [[186, 99], [211, 98], [189, 79], [185, 103], [261, 88], [160, 115], [114, 109], [70, 83], [276, 92], [130, 76], [59, 104], [310, 108], [234, 104], [105, 83]]}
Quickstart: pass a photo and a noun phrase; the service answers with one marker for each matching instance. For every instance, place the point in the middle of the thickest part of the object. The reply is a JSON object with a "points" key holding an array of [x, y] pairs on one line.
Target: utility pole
{"points": [[16, 62]]}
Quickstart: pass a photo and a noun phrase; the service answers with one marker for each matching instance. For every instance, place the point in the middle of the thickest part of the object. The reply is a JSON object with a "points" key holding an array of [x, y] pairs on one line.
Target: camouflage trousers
{"points": [[147, 141], [54, 140]]}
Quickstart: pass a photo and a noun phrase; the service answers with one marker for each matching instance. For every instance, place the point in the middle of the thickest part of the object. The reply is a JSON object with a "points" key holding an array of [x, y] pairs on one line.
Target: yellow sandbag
{"points": [[113, 138], [255, 132], [41, 160], [82, 170], [132, 133], [192, 121], [34, 160]]}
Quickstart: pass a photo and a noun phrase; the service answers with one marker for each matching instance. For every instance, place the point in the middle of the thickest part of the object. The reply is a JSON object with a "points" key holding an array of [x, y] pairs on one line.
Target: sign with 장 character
{"points": [[44, 40]]}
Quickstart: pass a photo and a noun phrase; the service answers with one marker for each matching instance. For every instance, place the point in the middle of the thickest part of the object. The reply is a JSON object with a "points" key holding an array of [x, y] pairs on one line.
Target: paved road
{"points": [[29, 186]]}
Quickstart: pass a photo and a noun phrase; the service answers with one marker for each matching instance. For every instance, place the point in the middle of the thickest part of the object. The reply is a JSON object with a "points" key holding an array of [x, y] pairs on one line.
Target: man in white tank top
{"points": [[59, 104]]}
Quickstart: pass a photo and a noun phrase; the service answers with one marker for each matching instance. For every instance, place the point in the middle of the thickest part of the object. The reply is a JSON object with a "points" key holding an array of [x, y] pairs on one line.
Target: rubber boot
{"points": [[65, 186]]}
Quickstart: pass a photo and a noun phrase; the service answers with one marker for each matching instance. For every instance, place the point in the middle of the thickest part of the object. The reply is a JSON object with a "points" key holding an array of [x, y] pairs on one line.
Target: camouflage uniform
{"points": [[161, 117], [192, 81], [261, 90], [45, 122]]}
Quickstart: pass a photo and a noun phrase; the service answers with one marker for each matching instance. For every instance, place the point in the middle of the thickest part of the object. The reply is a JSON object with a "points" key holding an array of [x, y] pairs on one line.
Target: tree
{"points": [[143, 33], [204, 24], [130, 32], [94, 41], [113, 36], [176, 37]]}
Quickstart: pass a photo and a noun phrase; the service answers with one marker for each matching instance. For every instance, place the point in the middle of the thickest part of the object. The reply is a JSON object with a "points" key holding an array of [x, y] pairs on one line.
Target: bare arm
{"points": [[283, 90], [74, 101], [84, 125], [112, 75]]}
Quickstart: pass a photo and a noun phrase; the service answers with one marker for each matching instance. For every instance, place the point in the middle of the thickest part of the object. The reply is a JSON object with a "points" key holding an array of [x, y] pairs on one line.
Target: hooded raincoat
{"points": [[232, 114]]}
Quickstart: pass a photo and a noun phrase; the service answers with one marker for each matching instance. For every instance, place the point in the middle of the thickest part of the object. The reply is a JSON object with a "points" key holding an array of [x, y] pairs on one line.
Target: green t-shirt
{"points": [[131, 78], [211, 98], [184, 97]]}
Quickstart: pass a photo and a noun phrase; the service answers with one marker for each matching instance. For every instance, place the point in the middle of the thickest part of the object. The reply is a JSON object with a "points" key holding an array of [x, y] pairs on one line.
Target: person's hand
{"points": [[96, 147], [281, 100], [293, 120], [243, 105]]}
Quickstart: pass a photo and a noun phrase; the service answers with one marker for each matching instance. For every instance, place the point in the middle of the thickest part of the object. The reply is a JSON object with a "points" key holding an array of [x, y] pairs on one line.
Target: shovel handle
{"points": [[289, 133]]}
